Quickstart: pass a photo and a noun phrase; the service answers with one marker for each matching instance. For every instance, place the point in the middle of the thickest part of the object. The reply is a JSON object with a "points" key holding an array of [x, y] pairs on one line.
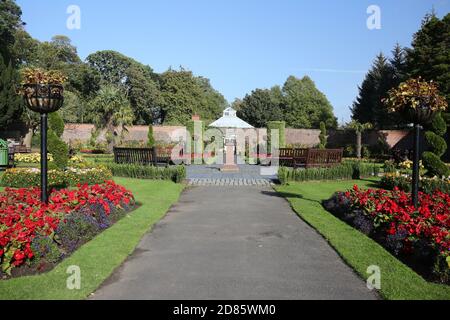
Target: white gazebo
{"points": [[230, 120]]}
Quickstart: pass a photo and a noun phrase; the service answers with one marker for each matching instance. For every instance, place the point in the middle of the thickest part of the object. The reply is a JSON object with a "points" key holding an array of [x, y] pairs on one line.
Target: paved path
{"points": [[233, 243]]}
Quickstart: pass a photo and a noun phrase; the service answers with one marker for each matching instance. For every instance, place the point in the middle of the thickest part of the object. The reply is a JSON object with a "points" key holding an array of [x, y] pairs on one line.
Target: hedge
{"points": [[345, 171], [175, 173]]}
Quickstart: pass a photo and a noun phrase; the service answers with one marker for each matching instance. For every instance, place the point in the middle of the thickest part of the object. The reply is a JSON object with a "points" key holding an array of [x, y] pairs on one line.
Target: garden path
{"points": [[233, 243]]}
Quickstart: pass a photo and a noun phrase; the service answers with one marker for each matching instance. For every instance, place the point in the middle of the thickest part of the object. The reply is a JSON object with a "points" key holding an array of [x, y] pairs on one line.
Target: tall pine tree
{"points": [[429, 56], [10, 101]]}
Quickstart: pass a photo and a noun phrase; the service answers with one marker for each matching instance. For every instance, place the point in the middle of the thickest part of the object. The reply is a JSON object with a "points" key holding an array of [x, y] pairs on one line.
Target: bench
{"points": [[310, 158], [142, 156]]}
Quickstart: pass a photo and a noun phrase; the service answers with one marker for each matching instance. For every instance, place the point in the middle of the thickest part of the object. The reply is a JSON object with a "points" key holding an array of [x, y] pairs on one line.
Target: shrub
{"points": [[56, 124], [175, 173], [323, 136], [281, 127], [58, 149], [426, 185], [437, 143], [151, 138], [346, 171], [75, 176], [434, 165]]}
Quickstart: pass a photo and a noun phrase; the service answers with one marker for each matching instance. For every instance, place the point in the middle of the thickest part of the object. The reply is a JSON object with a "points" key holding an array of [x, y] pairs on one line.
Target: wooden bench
{"points": [[142, 156], [310, 158]]}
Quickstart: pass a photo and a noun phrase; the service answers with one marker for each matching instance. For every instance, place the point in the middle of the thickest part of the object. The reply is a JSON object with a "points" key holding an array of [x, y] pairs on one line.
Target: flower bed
{"points": [[404, 182], [35, 158], [34, 236], [31, 177], [421, 238]]}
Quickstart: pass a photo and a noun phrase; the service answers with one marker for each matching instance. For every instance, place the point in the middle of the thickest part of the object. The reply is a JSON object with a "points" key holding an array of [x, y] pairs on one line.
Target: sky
{"points": [[241, 45]]}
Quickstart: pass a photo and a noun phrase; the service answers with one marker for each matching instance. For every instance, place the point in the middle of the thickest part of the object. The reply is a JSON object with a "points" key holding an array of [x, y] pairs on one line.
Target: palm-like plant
{"points": [[359, 128], [111, 109]]}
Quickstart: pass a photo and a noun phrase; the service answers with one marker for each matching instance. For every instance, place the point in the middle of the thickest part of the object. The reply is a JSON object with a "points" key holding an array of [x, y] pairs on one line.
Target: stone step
{"points": [[236, 182]]}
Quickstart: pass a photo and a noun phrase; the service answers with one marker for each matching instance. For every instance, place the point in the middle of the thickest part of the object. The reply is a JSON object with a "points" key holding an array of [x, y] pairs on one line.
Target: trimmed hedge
{"points": [[345, 171], [175, 173]]}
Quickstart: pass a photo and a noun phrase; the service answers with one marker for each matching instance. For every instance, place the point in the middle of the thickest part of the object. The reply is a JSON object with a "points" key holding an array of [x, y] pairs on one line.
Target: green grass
{"points": [[359, 251], [100, 257]]}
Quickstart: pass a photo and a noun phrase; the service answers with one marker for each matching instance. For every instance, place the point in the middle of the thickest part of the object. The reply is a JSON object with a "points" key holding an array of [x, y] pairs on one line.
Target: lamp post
{"points": [[45, 99], [416, 165]]}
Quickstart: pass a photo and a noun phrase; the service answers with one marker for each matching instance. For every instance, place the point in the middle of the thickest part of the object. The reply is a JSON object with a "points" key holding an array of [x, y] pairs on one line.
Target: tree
{"points": [[10, 102], [323, 136], [305, 106], [368, 106], [10, 21], [359, 128], [429, 56], [184, 95], [111, 108], [259, 108], [138, 81]]}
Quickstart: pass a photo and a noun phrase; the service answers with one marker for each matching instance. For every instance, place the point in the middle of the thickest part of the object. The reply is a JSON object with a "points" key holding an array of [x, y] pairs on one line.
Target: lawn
{"points": [[100, 257], [357, 250]]}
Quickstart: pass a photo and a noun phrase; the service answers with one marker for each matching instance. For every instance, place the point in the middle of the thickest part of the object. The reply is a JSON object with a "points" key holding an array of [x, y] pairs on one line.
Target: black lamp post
{"points": [[45, 99]]}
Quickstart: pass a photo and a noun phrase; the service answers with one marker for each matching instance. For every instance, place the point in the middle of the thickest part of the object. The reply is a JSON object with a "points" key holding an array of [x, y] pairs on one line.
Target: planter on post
{"points": [[43, 96], [418, 102]]}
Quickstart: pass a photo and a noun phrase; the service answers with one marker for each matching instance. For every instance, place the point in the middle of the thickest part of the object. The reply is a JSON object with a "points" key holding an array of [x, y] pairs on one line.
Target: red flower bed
{"points": [[23, 217], [391, 218], [394, 211]]}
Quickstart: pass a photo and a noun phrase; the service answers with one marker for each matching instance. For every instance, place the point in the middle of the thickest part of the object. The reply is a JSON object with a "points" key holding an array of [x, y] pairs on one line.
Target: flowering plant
{"points": [[23, 217]]}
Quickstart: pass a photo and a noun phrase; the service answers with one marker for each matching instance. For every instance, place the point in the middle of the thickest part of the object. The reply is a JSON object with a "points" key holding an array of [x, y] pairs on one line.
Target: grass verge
{"points": [[98, 258], [398, 282]]}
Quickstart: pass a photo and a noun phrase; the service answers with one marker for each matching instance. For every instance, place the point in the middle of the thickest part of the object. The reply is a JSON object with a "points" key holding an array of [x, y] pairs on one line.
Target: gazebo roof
{"points": [[230, 120]]}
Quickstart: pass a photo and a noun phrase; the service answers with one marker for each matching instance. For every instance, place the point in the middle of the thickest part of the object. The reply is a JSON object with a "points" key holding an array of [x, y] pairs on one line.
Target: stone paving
{"points": [[248, 175]]}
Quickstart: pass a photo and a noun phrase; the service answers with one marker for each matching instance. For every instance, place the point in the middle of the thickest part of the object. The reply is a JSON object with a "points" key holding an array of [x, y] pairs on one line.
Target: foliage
{"points": [[390, 217], [175, 173], [10, 14], [151, 138], [31, 177], [76, 229], [428, 57], [435, 166], [384, 74], [40, 76], [437, 143], [184, 95], [359, 128], [56, 123], [348, 170], [281, 127], [415, 94], [432, 160], [33, 218], [323, 136], [10, 101], [403, 182], [259, 108], [59, 149]]}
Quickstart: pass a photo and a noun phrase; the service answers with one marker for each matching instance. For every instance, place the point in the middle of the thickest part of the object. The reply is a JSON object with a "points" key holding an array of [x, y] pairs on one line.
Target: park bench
{"points": [[310, 158], [142, 156]]}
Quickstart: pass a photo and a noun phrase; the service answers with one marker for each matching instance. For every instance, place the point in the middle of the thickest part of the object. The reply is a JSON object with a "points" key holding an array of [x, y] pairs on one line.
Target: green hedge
{"points": [[175, 173], [345, 171]]}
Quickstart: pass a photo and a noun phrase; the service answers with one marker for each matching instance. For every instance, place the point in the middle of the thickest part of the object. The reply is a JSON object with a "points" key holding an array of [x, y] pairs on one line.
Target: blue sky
{"points": [[241, 44]]}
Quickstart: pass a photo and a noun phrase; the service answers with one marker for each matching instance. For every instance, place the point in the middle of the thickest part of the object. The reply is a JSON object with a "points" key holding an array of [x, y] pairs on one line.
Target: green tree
{"points": [[10, 102], [110, 109], [368, 106], [259, 108], [359, 128], [10, 21], [139, 82], [429, 56], [184, 95], [305, 106]]}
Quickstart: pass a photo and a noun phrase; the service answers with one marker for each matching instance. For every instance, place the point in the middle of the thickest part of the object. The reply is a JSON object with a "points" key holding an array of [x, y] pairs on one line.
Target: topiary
{"points": [[437, 143], [434, 165], [56, 123], [323, 136], [432, 160], [151, 139], [58, 149]]}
